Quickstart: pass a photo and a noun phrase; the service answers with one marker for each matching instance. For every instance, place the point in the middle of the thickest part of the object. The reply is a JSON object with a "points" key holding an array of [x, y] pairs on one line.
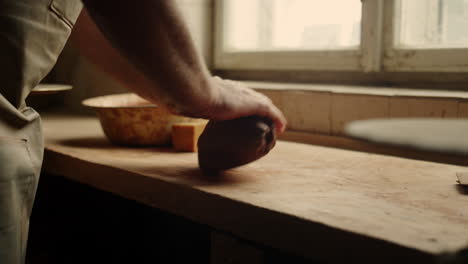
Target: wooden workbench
{"points": [[317, 202]]}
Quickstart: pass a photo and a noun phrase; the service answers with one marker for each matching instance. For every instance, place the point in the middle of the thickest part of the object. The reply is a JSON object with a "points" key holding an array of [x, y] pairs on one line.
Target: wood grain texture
{"points": [[308, 111], [349, 107], [423, 107], [309, 200], [463, 109]]}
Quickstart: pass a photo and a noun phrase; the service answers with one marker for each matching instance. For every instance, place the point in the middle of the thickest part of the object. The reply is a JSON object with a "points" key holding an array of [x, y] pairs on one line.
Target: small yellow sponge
{"points": [[185, 135]]}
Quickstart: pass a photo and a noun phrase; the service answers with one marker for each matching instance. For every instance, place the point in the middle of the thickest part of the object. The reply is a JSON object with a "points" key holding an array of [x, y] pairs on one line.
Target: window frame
{"points": [[378, 51], [367, 57], [417, 59]]}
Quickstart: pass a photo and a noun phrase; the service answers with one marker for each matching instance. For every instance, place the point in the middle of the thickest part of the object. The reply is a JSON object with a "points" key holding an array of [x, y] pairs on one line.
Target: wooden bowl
{"points": [[130, 120]]}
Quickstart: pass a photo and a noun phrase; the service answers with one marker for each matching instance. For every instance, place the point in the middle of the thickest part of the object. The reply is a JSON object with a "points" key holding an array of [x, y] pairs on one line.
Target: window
{"points": [[263, 25], [427, 35], [367, 35]]}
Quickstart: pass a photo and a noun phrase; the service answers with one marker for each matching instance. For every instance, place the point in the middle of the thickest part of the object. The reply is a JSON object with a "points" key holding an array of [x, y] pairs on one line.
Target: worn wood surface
{"points": [[318, 202]]}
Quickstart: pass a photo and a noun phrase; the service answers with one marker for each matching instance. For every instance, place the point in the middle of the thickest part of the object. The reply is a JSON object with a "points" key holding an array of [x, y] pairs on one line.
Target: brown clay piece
{"points": [[227, 144]]}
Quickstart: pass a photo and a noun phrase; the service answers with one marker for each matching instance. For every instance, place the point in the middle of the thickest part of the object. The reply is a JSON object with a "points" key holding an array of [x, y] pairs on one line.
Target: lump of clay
{"points": [[231, 143]]}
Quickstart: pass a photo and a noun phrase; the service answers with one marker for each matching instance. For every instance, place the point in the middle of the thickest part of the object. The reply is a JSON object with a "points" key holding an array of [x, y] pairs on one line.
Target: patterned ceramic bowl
{"points": [[128, 119]]}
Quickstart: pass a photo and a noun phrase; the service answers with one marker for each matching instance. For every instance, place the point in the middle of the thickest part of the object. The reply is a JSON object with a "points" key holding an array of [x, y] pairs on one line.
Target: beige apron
{"points": [[32, 34]]}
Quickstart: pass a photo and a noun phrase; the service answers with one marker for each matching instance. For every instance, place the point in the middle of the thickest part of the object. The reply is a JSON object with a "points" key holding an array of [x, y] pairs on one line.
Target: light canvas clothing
{"points": [[32, 35]]}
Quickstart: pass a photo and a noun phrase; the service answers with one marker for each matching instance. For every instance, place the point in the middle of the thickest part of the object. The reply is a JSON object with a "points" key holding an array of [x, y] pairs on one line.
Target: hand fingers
{"points": [[280, 120], [255, 103], [272, 112]]}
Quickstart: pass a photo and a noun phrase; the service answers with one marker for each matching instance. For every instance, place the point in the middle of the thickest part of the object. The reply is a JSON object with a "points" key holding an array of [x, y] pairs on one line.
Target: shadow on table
{"points": [[89, 142], [200, 178], [462, 189], [104, 143], [193, 176], [186, 174]]}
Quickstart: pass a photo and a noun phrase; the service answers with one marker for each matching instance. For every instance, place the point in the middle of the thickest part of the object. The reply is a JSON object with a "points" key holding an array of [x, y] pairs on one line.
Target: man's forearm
{"points": [[153, 36]]}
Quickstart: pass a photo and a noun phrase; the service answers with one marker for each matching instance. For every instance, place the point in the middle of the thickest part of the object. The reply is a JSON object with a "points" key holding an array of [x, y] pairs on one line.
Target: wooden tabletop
{"points": [[317, 202]]}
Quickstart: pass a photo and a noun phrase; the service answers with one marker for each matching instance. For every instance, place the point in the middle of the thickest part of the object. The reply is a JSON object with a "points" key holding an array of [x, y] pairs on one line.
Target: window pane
{"points": [[433, 23], [261, 25]]}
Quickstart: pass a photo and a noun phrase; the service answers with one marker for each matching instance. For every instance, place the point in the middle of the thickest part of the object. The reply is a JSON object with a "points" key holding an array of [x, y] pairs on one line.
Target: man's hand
{"points": [[234, 99]]}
